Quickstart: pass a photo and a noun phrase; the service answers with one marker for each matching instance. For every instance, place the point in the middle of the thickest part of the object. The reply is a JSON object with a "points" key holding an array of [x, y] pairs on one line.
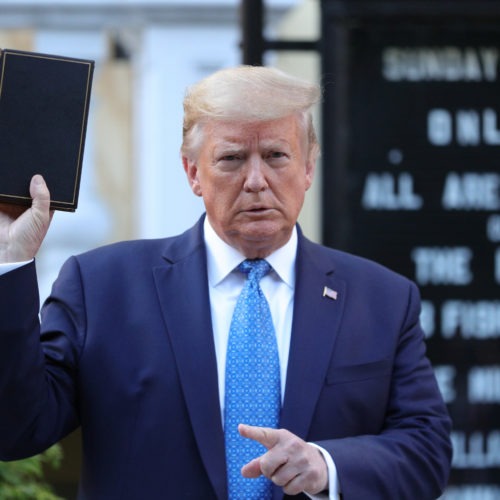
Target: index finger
{"points": [[266, 436]]}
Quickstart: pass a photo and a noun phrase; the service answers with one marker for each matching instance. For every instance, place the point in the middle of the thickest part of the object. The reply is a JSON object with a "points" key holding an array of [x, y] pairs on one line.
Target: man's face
{"points": [[253, 178]]}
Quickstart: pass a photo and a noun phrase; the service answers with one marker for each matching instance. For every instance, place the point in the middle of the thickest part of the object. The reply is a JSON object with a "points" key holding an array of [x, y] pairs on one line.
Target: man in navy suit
{"points": [[131, 345]]}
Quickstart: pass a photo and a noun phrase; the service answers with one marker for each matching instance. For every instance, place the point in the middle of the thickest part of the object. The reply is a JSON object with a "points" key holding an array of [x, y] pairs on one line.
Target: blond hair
{"points": [[247, 93]]}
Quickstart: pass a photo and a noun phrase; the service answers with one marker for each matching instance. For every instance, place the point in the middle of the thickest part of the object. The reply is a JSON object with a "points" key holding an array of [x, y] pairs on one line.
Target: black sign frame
{"points": [[363, 135]]}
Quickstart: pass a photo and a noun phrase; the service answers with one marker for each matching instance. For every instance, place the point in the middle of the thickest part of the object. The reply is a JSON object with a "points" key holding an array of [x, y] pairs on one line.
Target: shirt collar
{"points": [[222, 258]]}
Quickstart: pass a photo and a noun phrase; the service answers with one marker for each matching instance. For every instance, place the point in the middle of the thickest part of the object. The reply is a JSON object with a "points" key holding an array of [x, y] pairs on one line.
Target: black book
{"points": [[44, 105]]}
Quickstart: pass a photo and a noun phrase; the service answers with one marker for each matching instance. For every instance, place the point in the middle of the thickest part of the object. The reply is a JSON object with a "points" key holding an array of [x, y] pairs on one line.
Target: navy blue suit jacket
{"points": [[127, 353]]}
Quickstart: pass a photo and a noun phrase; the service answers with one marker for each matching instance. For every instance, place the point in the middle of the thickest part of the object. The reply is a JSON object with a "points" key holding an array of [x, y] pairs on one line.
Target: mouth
{"points": [[257, 210]]}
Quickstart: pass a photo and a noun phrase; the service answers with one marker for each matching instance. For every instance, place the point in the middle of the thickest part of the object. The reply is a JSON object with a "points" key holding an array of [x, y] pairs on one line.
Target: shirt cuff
{"points": [[333, 480], [10, 266]]}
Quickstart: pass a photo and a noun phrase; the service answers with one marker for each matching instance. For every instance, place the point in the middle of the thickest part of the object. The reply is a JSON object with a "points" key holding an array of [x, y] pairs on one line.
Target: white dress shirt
{"points": [[10, 266], [225, 284]]}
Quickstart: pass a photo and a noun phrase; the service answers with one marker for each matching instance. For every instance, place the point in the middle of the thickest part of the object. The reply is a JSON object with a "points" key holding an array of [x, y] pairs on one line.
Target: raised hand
{"points": [[23, 230], [289, 462]]}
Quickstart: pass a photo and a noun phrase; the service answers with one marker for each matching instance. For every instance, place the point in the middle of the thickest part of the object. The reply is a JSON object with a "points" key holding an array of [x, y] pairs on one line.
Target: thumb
{"points": [[33, 224], [40, 194], [252, 470]]}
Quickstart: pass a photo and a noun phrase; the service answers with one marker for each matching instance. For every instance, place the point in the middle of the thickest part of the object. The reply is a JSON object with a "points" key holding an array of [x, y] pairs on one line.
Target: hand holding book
{"points": [[22, 229]]}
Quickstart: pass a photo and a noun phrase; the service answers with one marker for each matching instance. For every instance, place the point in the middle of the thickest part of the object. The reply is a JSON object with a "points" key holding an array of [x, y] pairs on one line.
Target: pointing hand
{"points": [[289, 462]]}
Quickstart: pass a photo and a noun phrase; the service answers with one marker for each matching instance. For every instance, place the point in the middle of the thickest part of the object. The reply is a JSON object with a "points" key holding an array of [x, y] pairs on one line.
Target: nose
{"points": [[255, 179]]}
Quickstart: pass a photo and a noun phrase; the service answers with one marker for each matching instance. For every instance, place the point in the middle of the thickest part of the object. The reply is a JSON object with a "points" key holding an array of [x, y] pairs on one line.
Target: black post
{"points": [[252, 20]]}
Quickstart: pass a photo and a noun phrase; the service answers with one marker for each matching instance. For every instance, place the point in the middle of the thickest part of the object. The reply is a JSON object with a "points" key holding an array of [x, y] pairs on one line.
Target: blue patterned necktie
{"points": [[252, 393]]}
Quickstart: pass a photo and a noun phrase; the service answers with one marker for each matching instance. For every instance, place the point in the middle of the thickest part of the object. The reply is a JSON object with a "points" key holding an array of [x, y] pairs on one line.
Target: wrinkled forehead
{"points": [[285, 129], [293, 128]]}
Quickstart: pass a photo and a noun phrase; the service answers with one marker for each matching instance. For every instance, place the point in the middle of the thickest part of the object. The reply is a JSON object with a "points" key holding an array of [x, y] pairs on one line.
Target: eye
{"points": [[276, 158], [229, 161], [229, 158], [229, 155]]}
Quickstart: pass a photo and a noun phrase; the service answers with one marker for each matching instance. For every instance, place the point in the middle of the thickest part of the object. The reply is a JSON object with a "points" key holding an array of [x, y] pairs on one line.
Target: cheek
{"points": [[218, 199], [295, 201], [225, 189]]}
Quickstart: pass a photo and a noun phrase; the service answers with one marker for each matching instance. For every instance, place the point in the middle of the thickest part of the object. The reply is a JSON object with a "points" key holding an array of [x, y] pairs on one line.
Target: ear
{"points": [[312, 158], [191, 170]]}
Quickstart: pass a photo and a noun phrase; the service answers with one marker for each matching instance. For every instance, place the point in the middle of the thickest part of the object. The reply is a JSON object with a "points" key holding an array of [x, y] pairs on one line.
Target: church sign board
{"points": [[411, 172]]}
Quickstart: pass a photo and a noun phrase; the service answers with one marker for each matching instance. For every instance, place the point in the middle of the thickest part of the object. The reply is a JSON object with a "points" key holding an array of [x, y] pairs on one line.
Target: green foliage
{"points": [[23, 479]]}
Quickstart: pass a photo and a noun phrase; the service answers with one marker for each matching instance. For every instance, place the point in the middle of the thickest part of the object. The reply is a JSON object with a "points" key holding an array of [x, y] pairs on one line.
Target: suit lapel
{"points": [[183, 293], [314, 331]]}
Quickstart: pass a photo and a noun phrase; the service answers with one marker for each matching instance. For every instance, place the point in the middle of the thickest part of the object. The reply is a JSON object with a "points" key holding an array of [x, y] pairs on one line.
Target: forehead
{"points": [[285, 129]]}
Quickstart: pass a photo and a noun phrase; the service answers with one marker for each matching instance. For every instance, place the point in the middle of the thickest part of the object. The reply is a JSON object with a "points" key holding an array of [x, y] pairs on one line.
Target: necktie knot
{"points": [[255, 269]]}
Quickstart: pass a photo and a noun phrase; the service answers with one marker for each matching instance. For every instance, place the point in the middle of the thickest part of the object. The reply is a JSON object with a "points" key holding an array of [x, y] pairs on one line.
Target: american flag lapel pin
{"points": [[331, 294]]}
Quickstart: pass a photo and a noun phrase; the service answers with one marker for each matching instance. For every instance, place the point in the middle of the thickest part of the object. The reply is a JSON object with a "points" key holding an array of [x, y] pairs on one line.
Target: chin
{"points": [[266, 237], [262, 230]]}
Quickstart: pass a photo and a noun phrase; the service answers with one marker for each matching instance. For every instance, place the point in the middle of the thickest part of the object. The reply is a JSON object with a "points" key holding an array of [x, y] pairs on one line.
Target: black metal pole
{"points": [[252, 20]]}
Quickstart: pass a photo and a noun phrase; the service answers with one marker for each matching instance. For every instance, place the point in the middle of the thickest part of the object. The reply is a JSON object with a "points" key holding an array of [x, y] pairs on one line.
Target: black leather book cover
{"points": [[44, 105]]}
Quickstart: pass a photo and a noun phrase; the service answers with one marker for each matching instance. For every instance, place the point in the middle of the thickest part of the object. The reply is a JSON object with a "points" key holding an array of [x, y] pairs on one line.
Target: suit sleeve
{"points": [[410, 457], [37, 371]]}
